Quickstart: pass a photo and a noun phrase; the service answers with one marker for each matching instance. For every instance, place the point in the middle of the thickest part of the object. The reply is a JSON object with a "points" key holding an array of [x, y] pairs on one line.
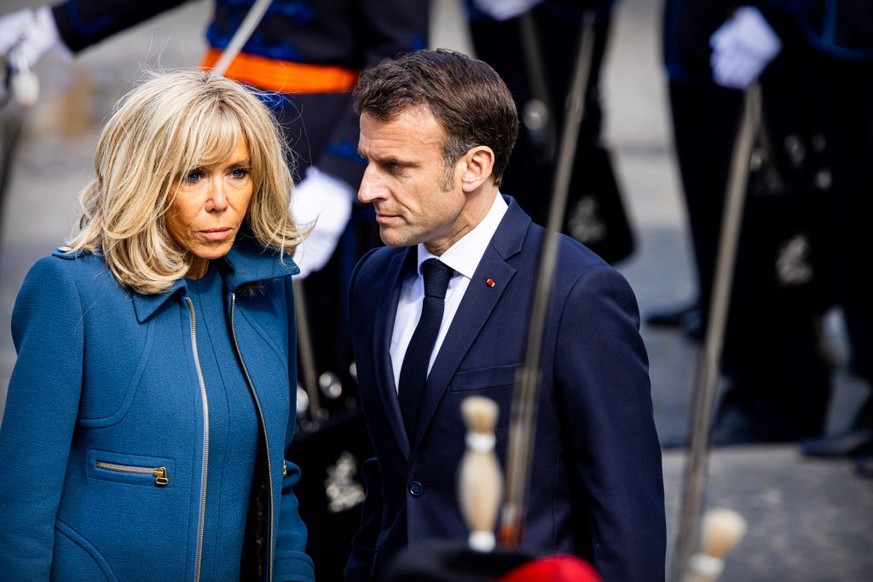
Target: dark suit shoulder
{"points": [[372, 271], [373, 265], [575, 251], [580, 268], [378, 258]]}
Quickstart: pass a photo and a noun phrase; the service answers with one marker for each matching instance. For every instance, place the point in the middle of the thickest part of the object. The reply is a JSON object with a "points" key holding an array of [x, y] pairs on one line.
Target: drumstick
{"points": [[722, 530], [22, 82], [480, 481]]}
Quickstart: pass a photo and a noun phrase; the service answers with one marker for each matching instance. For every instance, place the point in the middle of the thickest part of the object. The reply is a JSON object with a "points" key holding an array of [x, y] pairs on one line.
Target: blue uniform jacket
{"points": [[103, 446], [353, 34], [596, 486], [841, 29]]}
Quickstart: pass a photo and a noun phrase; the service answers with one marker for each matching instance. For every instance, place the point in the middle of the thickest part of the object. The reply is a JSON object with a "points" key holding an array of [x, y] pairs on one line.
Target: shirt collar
{"points": [[465, 254]]}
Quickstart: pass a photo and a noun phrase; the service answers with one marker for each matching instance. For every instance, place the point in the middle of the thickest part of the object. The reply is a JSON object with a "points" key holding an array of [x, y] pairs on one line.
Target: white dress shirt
{"points": [[463, 257]]}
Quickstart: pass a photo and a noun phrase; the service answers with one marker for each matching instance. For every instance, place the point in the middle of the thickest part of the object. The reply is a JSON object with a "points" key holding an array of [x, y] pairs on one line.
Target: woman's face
{"points": [[208, 208]]}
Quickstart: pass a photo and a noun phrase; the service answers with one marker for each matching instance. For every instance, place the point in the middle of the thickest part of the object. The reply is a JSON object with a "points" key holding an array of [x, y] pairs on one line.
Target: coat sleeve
{"points": [[605, 395], [83, 23], [40, 415], [290, 563]]}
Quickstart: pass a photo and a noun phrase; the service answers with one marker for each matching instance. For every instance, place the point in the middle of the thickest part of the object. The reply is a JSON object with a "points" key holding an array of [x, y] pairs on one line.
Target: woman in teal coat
{"points": [[150, 406]]}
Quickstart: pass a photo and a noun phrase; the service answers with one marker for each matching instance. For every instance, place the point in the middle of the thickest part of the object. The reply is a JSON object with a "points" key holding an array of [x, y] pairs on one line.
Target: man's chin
{"points": [[392, 239]]}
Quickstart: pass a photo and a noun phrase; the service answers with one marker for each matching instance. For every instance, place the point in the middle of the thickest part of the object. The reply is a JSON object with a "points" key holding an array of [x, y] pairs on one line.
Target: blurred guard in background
{"points": [[840, 34], [777, 375], [533, 45], [307, 54]]}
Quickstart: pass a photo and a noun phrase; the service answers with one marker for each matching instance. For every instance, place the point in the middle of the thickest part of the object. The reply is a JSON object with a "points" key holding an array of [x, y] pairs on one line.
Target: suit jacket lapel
{"points": [[475, 309], [383, 329]]}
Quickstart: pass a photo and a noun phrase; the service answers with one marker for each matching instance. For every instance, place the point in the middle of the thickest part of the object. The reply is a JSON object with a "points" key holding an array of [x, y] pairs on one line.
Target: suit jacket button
{"points": [[415, 488]]}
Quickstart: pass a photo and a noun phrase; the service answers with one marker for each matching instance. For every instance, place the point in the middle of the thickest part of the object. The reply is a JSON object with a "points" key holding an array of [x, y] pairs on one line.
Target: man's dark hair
{"points": [[468, 98]]}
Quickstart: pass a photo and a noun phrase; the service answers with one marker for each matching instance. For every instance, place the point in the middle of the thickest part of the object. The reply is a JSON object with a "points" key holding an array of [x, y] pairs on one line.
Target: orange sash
{"points": [[284, 76]]}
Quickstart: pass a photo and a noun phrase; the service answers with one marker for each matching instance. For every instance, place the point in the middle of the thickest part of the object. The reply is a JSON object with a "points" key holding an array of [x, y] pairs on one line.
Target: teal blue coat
{"points": [[103, 443]]}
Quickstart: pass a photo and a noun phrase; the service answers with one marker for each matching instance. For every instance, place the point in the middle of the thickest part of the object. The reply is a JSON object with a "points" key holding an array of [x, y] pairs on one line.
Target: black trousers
{"points": [[778, 376], [848, 127]]}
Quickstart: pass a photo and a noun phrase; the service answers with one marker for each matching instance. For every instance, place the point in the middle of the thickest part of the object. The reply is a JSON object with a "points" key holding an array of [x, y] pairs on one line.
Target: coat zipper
{"points": [[269, 548], [202, 523], [160, 473]]}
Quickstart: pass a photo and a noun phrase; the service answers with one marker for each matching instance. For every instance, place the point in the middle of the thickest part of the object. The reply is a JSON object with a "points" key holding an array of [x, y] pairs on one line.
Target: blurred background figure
{"points": [[777, 374], [533, 45], [304, 56], [840, 34]]}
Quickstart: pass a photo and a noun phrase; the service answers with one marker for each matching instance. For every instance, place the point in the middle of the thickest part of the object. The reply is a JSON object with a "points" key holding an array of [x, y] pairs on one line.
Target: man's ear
{"points": [[478, 166]]}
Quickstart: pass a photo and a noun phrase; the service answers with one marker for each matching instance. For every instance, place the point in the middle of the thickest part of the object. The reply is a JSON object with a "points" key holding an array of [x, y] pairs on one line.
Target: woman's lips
{"points": [[216, 233]]}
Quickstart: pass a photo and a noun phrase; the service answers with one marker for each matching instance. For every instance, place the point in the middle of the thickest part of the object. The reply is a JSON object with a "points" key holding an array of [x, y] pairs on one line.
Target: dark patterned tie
{"points": [[413, 373]]}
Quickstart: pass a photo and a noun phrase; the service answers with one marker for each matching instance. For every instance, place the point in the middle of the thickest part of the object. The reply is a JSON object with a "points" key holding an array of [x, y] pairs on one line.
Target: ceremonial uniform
{"points": [[841, 33], [778, 377], [558, 26]]}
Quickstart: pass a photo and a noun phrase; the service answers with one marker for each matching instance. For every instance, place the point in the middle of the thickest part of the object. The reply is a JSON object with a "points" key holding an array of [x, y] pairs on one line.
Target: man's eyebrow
{"points": [[389, 159]]}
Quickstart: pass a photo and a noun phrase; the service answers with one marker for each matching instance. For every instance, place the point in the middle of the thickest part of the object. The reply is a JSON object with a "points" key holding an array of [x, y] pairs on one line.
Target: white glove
{"points": [[32, 33], [325, 202], [742, 47], [505, 9]]}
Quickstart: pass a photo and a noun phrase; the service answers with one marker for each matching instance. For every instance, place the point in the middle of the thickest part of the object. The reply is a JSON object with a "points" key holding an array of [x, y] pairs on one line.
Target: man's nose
{"points": [[371, 186]]}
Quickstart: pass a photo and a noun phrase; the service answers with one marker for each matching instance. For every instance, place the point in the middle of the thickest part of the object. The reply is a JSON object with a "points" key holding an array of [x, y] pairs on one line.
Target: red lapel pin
{"points": [[490, 282]]}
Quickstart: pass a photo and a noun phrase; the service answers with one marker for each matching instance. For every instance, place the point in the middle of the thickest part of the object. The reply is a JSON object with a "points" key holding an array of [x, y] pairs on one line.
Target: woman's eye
{"points": [[239, 173], [193, 176]]}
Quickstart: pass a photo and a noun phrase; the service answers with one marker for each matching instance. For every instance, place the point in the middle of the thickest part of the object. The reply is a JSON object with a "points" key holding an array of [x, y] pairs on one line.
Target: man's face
{"points": [[416, 201]]}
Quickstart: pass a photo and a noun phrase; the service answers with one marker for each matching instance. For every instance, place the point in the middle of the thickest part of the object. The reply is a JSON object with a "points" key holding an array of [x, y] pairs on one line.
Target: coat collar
{"points": [[247, 262]]}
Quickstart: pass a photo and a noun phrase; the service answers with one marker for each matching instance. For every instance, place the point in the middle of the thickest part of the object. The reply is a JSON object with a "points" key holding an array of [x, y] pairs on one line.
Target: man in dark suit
{"points": [[437, 129]]}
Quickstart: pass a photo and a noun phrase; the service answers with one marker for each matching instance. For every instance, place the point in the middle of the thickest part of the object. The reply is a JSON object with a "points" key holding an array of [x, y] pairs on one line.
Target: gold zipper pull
{"points": [[161, 476]]}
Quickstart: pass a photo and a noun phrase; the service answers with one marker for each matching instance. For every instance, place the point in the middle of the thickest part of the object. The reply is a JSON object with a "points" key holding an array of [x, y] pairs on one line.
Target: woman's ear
{"points": [[478, 166]]}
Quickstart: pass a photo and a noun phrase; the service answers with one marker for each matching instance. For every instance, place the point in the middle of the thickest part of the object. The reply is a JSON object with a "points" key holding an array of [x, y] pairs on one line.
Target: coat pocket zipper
{"points": [[160, 473]]}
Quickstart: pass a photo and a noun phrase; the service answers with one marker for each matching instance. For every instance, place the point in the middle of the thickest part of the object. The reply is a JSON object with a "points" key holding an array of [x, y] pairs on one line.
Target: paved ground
{"points": [[808, 520]]}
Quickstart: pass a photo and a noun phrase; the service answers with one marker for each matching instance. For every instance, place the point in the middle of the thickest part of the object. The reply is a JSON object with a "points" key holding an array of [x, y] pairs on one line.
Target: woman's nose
{"points": [[217, 197]]}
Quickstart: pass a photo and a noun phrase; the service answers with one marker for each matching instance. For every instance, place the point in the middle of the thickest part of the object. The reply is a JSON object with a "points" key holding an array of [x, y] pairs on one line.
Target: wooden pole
{"points": [[706, 383]]}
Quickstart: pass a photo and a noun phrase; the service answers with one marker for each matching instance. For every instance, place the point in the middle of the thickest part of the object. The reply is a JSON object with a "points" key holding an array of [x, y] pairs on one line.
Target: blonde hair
{"points": [[161, 130]]}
